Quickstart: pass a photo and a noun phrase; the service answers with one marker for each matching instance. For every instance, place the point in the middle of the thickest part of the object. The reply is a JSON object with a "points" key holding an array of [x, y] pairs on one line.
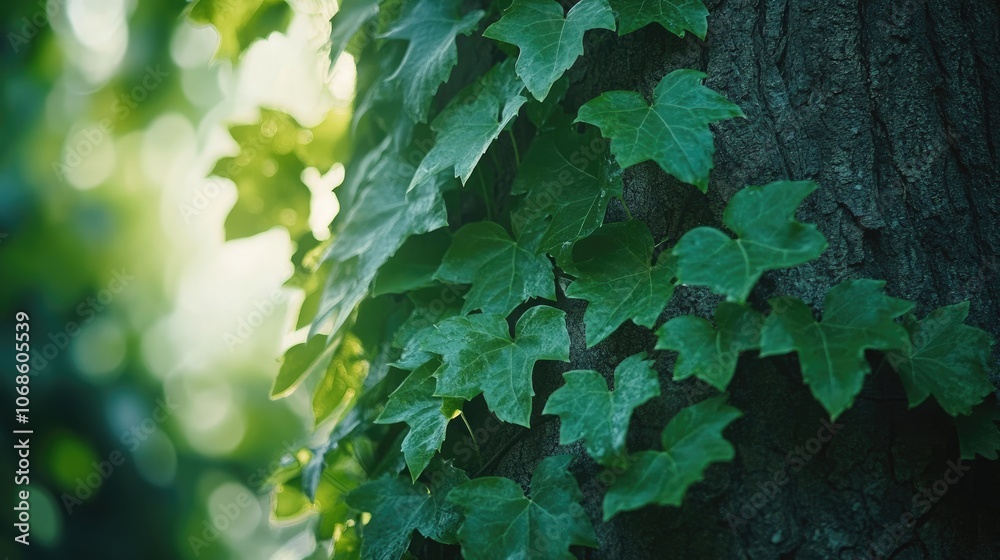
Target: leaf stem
{"points": [[517, 152], [487, 198], [475, 444], [628, 213]]}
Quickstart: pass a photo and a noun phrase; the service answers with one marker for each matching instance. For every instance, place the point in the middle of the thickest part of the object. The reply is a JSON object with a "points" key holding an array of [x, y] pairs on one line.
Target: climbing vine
{"points": [[445, 277]]}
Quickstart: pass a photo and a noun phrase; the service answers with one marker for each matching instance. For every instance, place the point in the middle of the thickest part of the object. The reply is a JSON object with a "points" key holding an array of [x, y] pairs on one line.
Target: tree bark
{"points": [[887, 105]]}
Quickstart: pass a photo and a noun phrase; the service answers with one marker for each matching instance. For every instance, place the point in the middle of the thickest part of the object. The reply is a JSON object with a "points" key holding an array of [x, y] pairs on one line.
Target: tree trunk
{"points": [[886, 104]]}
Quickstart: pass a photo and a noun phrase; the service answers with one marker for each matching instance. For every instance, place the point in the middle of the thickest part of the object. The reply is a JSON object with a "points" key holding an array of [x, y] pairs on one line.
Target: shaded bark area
{"points": [[892, 106]]}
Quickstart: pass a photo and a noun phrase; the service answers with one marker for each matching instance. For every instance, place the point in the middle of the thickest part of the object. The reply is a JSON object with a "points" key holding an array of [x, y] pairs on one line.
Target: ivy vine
{"points": [[438, 283]]}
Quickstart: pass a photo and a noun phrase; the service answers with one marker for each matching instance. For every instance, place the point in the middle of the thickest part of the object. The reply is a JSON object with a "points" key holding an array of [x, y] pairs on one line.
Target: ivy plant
{"points": [[483, 210]]}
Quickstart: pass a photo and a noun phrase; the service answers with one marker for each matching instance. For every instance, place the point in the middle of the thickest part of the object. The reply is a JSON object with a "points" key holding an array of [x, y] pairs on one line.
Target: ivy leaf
{"points": [[471, 122], [707, 353], [382, 217], [549, 42], [414, 402], [673, 132], [674, 15], [617, 279], [267, 173], [978, 432], [240, 22], [351, 16], [691, 442], [856, 316], [398, 508], [295, 365], [769, 239], [481, 357], [570, 178], [504, 273], [948, 359], [430, 307], [502, 523], [589, 411], [431, 27]]}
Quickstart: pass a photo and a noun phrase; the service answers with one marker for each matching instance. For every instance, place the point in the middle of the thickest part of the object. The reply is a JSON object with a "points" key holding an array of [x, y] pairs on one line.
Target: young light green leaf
{"points": [[692, 441], [414, 402], [675, 15], [615, 275], [267, 173], [480, 357], [550, 43], [398, 508], [431, 27], [501, 523], [769, 239], [978, 433], [589, 411], [240, 22], [351, 16], [948, 359], [504, 273], [856, 316], [707, 353], [570, 178], [382, 217], [471, 122], [342, 380], [673, 132]]}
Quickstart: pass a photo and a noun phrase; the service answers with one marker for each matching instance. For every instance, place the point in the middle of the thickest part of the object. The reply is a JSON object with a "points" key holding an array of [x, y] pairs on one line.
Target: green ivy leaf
{"points": [[471, 122], [504, 273], [691, 442], [674, 15], [673, 132], [615, 275], [978, 432], [398, 508], [856, 316], [502, 523], [707, 353], [589, 411], [240, 22], [382, 217], [570, 178], [948, 359], [549, 42], [351, 16], [431, 27], [481, 357], [414, 402], [769, 239], [298, 362], [430, 307], [267, 173]]}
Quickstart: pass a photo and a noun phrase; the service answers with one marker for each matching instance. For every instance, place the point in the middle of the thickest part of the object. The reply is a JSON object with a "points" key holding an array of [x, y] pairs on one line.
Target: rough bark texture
{"points": [[887, 105]]}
